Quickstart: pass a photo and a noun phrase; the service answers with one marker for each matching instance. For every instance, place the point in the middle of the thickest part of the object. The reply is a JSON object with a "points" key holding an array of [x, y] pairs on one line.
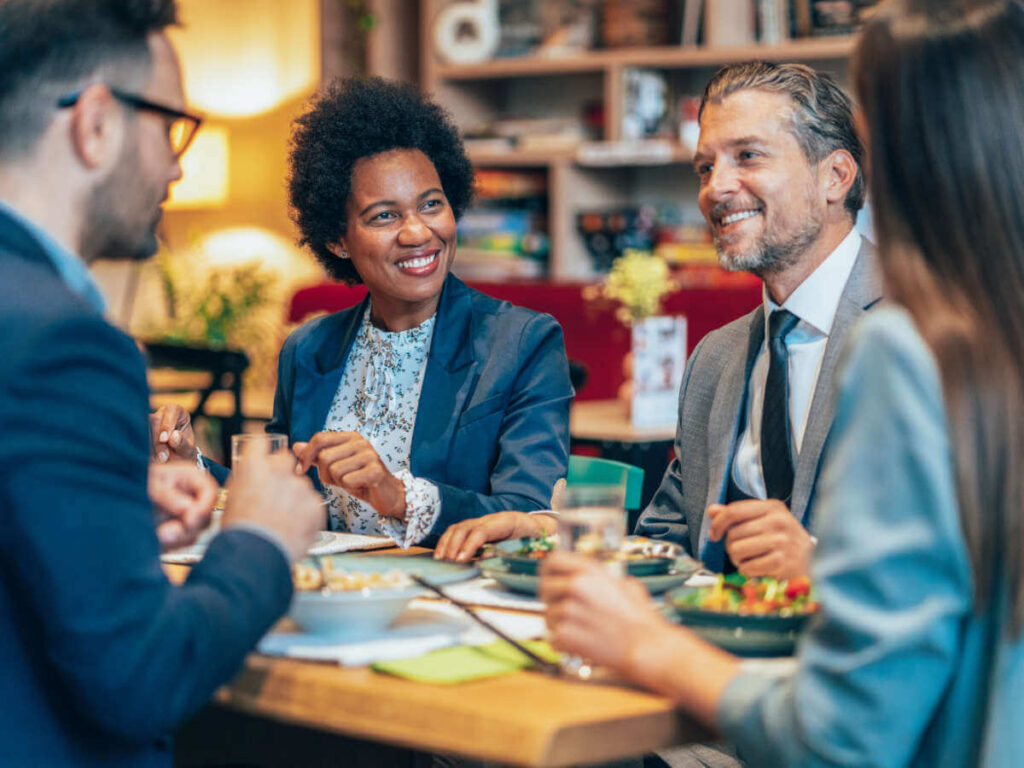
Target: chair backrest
{"points": [[589, 469]]}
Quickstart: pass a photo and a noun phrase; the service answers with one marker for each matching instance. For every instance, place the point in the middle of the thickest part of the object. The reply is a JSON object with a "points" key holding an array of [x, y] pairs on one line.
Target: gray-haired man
{"points": [[780, 185]]}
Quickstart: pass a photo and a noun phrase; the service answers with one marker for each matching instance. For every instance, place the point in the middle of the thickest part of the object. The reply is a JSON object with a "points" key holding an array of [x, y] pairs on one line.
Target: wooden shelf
{"points": [[663, 57], [515, 158], [591, 175], [586, 155]]}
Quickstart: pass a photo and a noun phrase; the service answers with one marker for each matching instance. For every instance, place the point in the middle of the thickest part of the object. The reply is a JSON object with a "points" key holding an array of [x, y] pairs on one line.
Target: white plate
{"points": [[325, 543]]}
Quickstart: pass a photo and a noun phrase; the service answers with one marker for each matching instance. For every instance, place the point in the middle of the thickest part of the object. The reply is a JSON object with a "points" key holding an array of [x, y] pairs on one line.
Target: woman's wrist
{"points": [[396, 501], [672, 661]]}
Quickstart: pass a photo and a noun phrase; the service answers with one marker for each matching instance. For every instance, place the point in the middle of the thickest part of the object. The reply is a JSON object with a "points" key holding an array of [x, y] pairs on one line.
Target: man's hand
{"points": [[183, 498], [170, 430], [347, 460], [461, 541], [265, 492], [763, 538], [593, 613]]}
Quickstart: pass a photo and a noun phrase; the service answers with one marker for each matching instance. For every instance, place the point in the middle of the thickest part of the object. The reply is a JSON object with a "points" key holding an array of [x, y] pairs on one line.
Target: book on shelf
{"points": [[636, 152], [773, 21], [500, 184], [690, 34], [473, 264], [489, 144], [728, 23]]}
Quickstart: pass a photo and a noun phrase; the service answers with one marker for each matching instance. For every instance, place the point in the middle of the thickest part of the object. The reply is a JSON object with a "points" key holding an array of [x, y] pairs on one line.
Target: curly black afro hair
{"points": [[357, 118]]}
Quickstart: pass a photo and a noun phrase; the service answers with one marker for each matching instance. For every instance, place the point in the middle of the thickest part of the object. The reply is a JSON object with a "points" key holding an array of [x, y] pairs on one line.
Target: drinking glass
{"points": [[240, 445], [591, 522]]}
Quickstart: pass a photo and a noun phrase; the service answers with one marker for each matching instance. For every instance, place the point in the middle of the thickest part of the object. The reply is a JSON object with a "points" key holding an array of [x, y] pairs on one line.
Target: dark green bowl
{"points": [[744, 635], [506, 550], [526, 583]]}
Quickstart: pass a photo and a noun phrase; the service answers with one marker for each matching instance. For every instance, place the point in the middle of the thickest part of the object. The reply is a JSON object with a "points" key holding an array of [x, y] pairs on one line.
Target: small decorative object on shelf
{"points": [[728, 23], [467, 32], [609, 233], [645, 104], [639, 281], [634, 23]]}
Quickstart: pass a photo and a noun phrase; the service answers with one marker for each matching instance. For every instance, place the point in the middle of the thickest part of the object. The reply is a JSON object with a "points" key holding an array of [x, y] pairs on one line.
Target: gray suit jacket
{"points": [[711, 401]]}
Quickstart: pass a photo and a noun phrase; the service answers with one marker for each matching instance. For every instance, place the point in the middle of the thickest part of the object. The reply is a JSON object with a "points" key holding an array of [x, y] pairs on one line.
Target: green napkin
{"points": [[466, 662]]}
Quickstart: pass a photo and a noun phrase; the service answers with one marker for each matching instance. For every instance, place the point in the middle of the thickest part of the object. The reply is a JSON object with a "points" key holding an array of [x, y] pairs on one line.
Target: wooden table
{"points": [[524, 718], [607, 421]]}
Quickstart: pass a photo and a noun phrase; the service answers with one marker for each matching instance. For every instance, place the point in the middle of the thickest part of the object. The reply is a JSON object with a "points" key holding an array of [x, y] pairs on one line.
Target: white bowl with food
{"points": [[355, 597]]}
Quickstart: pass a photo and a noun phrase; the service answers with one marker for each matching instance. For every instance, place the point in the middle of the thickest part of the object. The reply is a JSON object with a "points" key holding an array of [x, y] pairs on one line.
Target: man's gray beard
{"points": [[768, 257]]}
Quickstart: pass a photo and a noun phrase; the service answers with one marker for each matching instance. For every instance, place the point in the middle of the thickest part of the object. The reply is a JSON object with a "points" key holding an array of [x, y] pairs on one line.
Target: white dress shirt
{"points": [[814, 302]]}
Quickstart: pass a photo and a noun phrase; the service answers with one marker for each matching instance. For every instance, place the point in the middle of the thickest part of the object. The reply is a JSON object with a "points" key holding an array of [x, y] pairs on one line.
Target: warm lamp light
{"points": [[245, 57], [232, 247], [204, 167]]}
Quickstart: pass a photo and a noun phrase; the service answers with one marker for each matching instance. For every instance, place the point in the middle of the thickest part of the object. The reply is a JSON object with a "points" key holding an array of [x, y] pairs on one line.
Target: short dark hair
{"points": [[822, 120], [49, 48], [357, 118]]}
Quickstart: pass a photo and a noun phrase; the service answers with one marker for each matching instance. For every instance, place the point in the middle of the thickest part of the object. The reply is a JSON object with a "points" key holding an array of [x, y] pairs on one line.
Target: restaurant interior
{"points": [[487, 622]]}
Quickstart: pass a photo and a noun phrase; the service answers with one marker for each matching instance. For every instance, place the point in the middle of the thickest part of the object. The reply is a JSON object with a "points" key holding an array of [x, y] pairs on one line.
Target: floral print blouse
{"points": [[378, 397]]}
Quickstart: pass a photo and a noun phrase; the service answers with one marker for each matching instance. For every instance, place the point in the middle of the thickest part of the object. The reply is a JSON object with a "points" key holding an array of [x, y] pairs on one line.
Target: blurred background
{"points": [[580, 117]]}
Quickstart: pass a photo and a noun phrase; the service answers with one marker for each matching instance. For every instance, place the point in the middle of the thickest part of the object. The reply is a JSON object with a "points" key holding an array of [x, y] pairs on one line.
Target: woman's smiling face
{"points": [[400, 234]]}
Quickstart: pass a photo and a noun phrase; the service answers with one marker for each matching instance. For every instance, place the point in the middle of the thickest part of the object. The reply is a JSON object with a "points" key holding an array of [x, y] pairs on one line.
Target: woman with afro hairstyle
{"points": [[428, 403]]}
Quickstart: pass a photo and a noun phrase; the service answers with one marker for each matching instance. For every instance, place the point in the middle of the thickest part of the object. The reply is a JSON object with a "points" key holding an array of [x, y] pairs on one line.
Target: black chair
{"points": [[225, 367]]}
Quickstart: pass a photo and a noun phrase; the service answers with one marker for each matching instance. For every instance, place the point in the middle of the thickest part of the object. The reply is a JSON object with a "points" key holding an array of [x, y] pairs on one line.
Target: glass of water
{"points": [[240, 445], [591, 522]]}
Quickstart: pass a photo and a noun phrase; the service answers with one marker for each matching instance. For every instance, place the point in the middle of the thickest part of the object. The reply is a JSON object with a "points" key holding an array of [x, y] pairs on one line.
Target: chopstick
{"points": [[548, 667]]}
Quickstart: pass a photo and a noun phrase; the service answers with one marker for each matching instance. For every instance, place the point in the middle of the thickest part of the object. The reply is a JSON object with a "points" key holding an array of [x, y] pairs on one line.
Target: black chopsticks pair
{"points": [[548, 667]]}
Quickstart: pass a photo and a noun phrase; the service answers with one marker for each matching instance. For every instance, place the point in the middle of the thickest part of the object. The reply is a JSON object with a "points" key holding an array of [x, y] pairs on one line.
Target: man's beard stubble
{"points": [[121, 221], [769, 254]]}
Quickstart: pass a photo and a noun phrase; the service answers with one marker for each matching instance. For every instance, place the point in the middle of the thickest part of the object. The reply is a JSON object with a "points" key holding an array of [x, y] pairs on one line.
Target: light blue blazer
{"points": [[899, 668], [492, 429]]}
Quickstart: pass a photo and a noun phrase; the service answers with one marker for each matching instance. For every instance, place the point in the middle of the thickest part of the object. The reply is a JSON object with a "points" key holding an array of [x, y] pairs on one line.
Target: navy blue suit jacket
{"points": [[100, 656], [492, 429]]}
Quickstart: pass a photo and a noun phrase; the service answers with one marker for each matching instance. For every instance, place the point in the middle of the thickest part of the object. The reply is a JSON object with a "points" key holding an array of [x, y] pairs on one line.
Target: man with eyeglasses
{"points": [[101, 657]]}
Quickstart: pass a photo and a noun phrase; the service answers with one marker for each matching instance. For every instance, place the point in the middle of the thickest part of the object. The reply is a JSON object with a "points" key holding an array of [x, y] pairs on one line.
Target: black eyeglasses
{"points": [[181, 128]]}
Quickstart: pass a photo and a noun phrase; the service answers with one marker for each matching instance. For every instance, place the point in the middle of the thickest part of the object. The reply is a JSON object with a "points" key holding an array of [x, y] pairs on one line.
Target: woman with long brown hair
{"points": [[916, 656]]}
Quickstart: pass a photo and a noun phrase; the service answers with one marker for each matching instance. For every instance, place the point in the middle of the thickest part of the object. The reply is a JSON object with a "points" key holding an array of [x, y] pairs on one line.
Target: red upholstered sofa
{"points": [[592, 335]]}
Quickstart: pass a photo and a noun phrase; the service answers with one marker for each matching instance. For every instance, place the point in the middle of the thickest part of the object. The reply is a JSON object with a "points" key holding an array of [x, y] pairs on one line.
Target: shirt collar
{"points": [[816, 299], [72, 270]]}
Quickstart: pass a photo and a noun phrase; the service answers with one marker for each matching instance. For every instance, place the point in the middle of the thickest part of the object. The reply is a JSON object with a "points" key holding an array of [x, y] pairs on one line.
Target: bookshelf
{"points": [[606, 171]]}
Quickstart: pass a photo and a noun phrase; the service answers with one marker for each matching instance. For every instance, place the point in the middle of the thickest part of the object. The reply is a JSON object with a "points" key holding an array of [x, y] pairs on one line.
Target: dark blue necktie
{"points": [[776, 456]]}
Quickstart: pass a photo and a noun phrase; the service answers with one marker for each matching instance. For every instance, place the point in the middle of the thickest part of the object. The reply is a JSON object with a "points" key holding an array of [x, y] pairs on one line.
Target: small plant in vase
{"points": [[638, 282]]}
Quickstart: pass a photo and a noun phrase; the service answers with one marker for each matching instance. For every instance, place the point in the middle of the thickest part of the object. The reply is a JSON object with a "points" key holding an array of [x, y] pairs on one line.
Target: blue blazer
{"points": [[100, 657], [492, 429], [901, 667]]}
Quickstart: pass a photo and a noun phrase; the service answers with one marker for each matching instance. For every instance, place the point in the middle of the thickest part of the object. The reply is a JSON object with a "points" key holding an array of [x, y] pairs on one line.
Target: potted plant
{"points": [[638, 282]]}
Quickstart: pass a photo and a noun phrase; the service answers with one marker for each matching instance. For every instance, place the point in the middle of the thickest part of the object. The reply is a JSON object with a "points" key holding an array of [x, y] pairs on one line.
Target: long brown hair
{"points": [[942, 89]]}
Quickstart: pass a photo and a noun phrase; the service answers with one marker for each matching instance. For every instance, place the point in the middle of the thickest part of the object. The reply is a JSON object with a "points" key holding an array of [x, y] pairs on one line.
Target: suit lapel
{"points": [[447, 382], [863, 290], [320, 365], [726, 415]]}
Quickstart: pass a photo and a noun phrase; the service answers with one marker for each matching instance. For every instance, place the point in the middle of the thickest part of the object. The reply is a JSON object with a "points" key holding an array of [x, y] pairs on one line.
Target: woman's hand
{"points": [[462, 540], [183, 499], [347, 460], [595, 614], [171, 433], [612, 622]]}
